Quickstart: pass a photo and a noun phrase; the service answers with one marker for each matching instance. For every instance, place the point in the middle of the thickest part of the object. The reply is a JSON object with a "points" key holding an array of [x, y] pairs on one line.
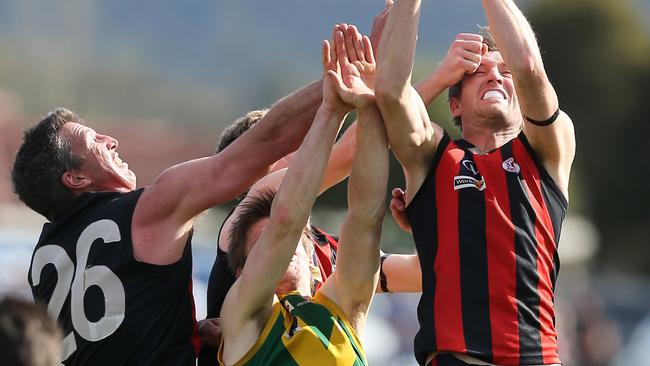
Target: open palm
{"points": [[354, 73]]}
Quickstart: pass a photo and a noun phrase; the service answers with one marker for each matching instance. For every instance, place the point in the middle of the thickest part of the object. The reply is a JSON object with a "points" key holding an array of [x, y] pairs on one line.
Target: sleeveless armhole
{"points": [[132, 200], [221, 277], [322, 299], [264, 335], [546, 177], [442, 145]]}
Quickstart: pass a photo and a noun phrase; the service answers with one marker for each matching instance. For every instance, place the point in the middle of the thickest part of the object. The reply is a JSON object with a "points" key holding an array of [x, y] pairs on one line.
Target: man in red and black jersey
{"points": [[485, 210], [325, 244]]}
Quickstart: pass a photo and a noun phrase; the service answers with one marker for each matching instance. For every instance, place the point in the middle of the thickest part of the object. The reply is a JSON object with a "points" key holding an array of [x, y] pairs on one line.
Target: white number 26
{"points": [[77, 280]]}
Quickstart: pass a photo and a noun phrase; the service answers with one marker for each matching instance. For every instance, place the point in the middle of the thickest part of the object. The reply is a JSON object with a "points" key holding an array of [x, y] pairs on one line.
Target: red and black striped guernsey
{"points": [[486, 228]]}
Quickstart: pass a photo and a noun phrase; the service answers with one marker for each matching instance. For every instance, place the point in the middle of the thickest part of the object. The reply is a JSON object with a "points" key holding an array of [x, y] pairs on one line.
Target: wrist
{"points": [[370, 108], [334, 111], [439, 79]]}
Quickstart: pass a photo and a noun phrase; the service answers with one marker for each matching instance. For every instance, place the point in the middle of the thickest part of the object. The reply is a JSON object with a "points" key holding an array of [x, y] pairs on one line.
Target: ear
{"points": [[454, 106], [75, 181]]}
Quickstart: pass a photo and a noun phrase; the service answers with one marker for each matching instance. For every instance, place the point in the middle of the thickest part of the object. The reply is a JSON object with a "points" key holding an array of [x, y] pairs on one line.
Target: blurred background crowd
{"points": [[165, 77]]}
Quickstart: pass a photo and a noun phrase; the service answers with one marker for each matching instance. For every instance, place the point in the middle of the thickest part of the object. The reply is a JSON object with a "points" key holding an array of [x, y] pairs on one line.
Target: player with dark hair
{"points": [[485, 210], [114, 262]]}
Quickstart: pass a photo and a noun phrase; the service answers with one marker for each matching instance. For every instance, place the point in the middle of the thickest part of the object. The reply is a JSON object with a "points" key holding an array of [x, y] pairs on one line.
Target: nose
{"points": [[495, 76], [111, 143]]}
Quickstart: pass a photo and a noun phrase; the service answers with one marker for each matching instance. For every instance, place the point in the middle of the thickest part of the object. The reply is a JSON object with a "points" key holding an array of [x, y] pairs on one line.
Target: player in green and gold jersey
{"points": [[269, 316]]}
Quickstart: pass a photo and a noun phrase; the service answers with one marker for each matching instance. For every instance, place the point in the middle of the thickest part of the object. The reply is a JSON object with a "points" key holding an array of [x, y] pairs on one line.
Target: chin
{"points": [[130, 181], [285, 287]]}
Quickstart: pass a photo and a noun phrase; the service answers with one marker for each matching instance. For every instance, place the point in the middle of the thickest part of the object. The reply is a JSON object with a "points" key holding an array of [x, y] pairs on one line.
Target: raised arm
{"points": [[555, 143], [166, 210], [353, 283], [463, 57], [268, 260], [413, 138]]}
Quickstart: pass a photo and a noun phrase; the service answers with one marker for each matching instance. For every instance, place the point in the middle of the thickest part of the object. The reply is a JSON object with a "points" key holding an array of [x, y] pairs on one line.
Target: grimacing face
{"points": [[488, 93], [101, 162]]}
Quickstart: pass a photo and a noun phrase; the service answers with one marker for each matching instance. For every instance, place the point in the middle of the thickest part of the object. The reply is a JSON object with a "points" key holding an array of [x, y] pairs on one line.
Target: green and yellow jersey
{"points": [[305, 332]]}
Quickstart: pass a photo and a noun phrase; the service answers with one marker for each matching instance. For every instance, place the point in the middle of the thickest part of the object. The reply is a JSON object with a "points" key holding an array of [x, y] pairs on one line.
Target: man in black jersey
{"points": [[485, 210], [114, 263]]}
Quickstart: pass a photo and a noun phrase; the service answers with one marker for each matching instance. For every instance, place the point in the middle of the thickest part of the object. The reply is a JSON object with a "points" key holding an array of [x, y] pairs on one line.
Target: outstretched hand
{"points": [[351, 66], [464, 57]]}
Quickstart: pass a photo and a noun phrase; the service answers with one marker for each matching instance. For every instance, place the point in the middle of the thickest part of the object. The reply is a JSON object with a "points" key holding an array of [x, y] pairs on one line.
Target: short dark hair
{"points": [[41, 160], [237, 128], [28, 336], [252, 210], [455, 90]]}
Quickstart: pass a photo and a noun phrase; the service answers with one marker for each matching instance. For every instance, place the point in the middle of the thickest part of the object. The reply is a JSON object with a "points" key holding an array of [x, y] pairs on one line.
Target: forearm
{"points": [[407, 123], [289, 119], [518, 46], [431, 87], [358, 255], [397, 50], [369, 175], [340, 161], [306, 170], [514, 36]]}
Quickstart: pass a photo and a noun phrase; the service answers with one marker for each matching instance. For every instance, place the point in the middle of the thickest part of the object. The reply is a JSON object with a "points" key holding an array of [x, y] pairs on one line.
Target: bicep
{"points": [[189, 188]]}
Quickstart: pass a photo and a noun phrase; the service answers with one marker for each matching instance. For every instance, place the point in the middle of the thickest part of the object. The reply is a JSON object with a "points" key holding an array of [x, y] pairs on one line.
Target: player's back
{"points": [[113, 309]]}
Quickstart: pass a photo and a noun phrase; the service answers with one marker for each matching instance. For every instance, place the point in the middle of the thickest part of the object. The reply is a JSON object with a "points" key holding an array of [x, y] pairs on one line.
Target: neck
{"points": [[304, 288], [91, 188], [487, 137]]}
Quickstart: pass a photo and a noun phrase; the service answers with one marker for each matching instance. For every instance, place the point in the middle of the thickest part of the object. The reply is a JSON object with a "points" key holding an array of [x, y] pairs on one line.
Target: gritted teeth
{"points": [[498, 94]]}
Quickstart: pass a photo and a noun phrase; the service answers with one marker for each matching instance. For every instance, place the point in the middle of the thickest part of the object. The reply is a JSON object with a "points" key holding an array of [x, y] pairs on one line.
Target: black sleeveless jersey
{"points": [[113, 309]]}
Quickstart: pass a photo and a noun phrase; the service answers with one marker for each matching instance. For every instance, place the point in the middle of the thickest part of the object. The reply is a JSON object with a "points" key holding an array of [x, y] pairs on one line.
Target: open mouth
{"points": [[494, 94], [119, 161]]}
